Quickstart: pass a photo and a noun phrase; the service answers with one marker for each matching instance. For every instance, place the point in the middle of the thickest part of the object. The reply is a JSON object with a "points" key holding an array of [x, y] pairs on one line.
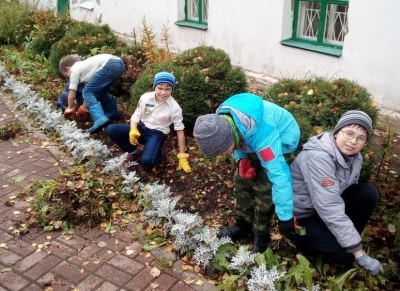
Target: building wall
{"points": [[250, 33]]}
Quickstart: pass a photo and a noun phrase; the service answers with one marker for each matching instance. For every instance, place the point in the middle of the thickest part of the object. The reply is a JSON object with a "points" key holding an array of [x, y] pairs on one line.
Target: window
{"points": [[196, 14], [319, 25]]}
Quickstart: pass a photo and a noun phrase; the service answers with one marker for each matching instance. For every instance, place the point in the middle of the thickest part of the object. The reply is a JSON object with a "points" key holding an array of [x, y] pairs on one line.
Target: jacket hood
{"points": [[251, 110], [325, 142]]}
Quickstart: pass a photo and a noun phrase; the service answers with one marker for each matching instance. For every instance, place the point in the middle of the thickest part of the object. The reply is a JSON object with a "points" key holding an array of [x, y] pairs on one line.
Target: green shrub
{"points": [[317, 104], [50, 33], [33, 24], [204, 79], [82, 39], [14, 15], [134, 60]]}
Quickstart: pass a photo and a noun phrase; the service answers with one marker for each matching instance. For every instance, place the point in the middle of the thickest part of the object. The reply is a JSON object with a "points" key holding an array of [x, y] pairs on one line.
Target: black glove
{"points": [[286, 227]]}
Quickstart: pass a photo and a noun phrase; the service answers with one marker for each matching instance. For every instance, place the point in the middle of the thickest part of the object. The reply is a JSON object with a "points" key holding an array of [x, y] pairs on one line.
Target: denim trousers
{"points": [[153, 141], [62, 100], [96, 90], [360, 201]]}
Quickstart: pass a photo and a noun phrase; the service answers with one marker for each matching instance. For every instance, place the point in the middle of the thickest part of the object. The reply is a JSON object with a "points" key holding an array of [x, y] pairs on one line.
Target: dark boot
{"points": [[100, 120], [111, 109], [261, 242], [240, 229]]}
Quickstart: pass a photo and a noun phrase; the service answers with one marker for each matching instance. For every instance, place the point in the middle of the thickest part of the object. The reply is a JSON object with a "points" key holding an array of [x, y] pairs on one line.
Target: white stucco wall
{"points": [[250, 33]]}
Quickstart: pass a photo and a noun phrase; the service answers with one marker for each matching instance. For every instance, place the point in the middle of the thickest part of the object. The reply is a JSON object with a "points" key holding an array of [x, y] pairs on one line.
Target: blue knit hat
{"points": [[164, 77]]}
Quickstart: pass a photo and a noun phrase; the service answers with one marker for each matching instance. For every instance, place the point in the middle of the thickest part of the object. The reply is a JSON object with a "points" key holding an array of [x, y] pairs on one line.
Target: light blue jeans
{"points": [[96, 90]]}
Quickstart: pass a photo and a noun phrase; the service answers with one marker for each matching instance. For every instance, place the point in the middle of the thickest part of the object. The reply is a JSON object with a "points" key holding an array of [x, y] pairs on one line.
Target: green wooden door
{"points": [[62, 6]]}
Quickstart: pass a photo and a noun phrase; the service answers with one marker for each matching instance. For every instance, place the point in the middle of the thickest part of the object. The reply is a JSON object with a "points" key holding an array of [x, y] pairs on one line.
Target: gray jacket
{"points": [[320, 174]]}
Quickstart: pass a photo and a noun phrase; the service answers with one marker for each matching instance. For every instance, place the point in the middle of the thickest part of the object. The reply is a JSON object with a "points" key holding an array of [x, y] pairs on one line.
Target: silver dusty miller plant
{"points": [[186, 225], [208, 245], [242, 259], [163, 210], [262, 279], [80, 144]]}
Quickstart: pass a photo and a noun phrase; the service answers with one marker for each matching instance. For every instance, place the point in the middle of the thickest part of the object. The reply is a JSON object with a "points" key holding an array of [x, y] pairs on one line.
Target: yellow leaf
{"points": [[155, 285], [199, 282], [169, 248], [189, 280]]}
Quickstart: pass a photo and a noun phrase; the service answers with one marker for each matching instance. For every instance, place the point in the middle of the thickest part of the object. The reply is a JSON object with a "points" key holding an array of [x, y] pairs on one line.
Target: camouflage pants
{"points": [[253, 198]]}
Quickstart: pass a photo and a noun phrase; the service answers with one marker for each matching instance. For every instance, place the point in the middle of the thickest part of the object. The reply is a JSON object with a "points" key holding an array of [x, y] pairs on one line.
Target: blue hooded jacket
{"points": [[270, 131]]}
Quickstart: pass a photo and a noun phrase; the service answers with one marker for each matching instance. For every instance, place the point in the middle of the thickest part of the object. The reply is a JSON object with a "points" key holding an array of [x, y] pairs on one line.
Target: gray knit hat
{"points": [[355, 117], [213, 134]]}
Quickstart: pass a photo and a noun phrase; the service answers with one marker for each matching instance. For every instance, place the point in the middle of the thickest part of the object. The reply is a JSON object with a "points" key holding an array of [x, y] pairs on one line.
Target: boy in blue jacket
{"points": [[258, 133]]}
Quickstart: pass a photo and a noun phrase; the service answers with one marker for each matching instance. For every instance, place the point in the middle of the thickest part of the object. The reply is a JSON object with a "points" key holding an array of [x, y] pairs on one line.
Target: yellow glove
{"points": [[134, 136], [183, 162]]}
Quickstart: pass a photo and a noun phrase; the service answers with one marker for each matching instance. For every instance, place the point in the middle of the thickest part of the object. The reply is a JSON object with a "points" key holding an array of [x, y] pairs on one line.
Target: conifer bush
{"points": [[204, 79], [82, 39], [50, 33], [317, 104]]}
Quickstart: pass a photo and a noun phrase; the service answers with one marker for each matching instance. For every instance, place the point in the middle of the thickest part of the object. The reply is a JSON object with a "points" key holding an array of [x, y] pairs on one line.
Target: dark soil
{"points": [[207, 190]]}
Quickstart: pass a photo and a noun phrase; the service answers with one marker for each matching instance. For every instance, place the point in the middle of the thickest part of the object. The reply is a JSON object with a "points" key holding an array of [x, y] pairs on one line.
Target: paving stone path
{"points": [[88, 260]]}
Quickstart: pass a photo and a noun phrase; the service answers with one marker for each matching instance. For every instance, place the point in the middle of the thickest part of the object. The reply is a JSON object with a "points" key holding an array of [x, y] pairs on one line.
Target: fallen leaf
{"points": [[155, 272], [6, 270], [102, 244], [189, 280], [4, 246], [129, 252], [199, 283], [169, 248], [155, 285], [187, 267]]}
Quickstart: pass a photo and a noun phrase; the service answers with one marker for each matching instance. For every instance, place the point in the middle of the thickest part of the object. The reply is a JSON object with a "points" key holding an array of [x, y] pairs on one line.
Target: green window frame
{"points": [[196, 14], [319, 25]]}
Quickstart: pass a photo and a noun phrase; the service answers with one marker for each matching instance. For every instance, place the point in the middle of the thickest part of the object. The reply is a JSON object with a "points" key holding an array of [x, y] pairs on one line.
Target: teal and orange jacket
{"points": [[270, 131]]}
